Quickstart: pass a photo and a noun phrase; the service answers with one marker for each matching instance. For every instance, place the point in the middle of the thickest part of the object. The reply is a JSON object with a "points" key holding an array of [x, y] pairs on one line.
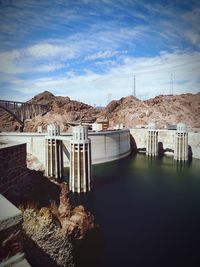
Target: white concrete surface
{"points": [[17, 260], [9, 214], [106, 145], [167, 137]]}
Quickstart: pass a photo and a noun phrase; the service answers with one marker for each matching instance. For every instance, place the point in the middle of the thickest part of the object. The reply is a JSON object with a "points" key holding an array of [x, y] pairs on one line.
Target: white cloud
{"points": [[9, 64], [193, 37], [90, 46], [48, 68], [104, 54], [153, 76], [24, 60], [104, 40], [45, 50]]}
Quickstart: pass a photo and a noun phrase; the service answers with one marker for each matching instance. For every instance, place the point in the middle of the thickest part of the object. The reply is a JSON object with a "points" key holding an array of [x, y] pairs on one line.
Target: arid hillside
{"points": [[163, 109], [63, 110]]}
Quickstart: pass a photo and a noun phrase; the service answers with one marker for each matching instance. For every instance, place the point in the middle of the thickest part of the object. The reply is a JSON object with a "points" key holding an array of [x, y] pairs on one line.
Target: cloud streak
{"points": [[152, 77], [87, 49]]}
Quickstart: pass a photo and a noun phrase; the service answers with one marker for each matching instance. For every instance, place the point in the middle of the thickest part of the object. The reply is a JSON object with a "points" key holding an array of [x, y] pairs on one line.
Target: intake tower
{"points": [[80, 160]]}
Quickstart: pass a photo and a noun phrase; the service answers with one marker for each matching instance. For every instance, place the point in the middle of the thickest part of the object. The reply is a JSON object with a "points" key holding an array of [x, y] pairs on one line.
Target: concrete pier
{"points": [[54, 152], [152, 140], [181, 143], [80, 160]]}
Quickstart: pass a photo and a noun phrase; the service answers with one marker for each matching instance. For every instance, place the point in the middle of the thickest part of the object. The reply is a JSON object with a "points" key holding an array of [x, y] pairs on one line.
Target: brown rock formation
{"points": [[63, 111], [44, 231], [129, 110], [161, 109], [33, 163], [54, 228]]}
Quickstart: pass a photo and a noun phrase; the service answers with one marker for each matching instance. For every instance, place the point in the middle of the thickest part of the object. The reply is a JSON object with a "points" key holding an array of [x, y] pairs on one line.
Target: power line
{"points": [[153, 71]]}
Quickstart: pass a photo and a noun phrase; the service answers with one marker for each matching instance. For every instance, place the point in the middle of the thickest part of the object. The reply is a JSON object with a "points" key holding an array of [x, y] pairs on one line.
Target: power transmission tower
{"points": [[171, 85], [134, 88], [109, 95]]}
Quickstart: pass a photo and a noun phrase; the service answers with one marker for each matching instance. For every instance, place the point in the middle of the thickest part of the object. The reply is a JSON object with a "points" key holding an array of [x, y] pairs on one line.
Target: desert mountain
{"points": [[63, 110], [58, 103], [163, 109]]}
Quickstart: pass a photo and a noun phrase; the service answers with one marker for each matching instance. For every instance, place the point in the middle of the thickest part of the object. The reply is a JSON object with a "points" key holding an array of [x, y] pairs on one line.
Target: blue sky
{"points": [[91, 49]]}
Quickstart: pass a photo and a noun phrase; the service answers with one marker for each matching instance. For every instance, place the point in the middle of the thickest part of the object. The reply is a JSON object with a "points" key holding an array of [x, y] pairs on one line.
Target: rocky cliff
{"points": [[63, 111], [163, 109]]}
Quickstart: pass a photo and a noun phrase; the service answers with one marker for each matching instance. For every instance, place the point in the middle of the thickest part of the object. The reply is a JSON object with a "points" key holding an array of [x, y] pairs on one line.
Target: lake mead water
{"points": [[148, 211]]}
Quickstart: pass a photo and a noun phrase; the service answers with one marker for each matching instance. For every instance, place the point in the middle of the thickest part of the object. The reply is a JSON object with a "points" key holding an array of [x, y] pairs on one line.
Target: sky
{"points": [[91, 50]]}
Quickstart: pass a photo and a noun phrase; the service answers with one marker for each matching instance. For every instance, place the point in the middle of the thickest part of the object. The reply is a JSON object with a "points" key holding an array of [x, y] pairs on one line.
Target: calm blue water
{"points": [[148, 211]]}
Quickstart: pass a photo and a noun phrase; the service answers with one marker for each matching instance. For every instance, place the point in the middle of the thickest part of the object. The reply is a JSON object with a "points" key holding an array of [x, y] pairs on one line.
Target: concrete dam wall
{"points": [[167, 140], [106, 146]]}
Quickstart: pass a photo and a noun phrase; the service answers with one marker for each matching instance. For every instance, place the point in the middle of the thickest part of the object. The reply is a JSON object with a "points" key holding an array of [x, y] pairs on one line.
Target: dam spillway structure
{"points": [[152, 140], [80, 160], [54, 152], [181, 143]]}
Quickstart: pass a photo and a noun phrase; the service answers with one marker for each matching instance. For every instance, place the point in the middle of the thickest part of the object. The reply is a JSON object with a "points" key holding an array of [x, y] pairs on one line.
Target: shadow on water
{"points": [[160, 149], [89, 251], [190, 153], [133, 145]]}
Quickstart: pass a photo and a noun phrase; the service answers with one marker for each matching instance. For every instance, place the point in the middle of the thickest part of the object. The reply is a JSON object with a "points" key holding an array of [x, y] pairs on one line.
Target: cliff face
{"points": [[128, 110], [161, 109], [63, 110]]}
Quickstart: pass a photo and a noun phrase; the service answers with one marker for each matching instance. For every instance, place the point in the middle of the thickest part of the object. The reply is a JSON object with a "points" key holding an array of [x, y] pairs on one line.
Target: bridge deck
{"points": [[23, 110]]}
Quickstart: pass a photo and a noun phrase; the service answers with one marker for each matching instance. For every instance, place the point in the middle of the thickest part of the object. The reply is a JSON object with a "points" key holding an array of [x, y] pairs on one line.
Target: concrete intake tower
{"points": [[80, 160], [152, 140], [54, 152], [181, 143]]}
